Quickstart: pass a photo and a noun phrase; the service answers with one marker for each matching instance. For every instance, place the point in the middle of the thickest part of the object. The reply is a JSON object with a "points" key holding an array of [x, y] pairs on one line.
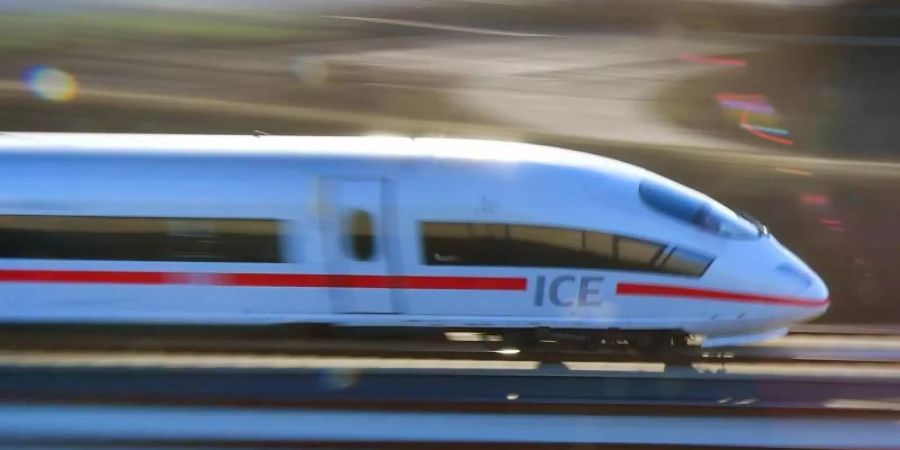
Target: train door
{"points": [[354, 232]]}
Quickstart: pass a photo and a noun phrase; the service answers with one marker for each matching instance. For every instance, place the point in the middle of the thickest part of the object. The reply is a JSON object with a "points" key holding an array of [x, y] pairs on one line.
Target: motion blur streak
{"points": [[765, 135], [798, 172], [714, 60]]}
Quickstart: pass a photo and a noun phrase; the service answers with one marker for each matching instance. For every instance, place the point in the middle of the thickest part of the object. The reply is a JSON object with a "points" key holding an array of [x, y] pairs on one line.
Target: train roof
{"points": [[318, 147]]}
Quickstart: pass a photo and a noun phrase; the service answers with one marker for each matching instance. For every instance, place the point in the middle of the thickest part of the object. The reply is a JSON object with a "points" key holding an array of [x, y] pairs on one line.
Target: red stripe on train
{"points": [[265, 279], [375, 281], [83, 276], [657, 290]]}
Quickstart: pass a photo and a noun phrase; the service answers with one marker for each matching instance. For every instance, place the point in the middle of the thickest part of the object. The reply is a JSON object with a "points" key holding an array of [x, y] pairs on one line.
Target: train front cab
{"points": [[762, 286]]}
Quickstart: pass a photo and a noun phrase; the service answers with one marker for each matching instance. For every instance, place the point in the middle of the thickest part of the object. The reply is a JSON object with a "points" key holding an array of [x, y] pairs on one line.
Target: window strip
{"points": [[474, 251], [128, 238]]}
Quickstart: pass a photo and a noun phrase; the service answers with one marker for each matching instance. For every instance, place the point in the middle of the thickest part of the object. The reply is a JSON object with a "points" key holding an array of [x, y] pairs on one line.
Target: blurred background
{"points": [[784, 108]]}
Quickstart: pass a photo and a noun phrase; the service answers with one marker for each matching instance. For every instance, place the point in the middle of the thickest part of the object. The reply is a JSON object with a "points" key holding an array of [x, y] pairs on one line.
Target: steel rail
{"points": [[241, 342]]}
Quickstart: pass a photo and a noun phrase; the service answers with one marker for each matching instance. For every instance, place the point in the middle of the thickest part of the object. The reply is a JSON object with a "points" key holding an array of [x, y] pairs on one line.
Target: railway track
{"points": [[42, 405], [267, 389], [805, 347]]}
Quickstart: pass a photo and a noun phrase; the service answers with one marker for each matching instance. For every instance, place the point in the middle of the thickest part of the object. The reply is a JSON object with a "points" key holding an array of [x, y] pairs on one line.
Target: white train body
{"points": [[377, 231]]}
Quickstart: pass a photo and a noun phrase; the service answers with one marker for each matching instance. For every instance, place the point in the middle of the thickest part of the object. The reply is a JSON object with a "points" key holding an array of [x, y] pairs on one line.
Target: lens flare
{"points": [[756, 105], [49, 83]]}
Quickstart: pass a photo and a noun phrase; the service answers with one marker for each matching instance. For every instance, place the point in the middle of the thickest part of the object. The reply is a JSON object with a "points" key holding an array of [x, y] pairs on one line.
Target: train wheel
{"points": [[659, 341], [523, 340]]}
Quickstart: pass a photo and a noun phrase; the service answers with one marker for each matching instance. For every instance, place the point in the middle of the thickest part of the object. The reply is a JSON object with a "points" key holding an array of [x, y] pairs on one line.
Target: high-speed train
{"points": [[413, 233]]}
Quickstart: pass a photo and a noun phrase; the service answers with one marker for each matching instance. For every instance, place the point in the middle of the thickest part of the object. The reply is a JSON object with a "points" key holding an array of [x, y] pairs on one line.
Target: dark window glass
{"points": [[139, 239], [488, 231], [468, 244], [447, 243], [465, 244], [546, 247], [684, 262], [362, 239], [599, 245], [637, 253], [488, 244]]}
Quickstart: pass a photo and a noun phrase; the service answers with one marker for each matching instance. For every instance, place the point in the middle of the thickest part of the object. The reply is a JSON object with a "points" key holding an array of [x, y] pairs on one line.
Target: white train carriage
{"points": [[378, 231]]}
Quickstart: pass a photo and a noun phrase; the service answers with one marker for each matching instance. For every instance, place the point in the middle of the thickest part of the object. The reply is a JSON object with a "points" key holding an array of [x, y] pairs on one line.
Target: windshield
{"points": [[711, 216]]}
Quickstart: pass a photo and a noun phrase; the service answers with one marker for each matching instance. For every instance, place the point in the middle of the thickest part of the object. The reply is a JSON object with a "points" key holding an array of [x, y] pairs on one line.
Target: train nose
{"points": [[817, 297], [805, 286], [817, 291]]}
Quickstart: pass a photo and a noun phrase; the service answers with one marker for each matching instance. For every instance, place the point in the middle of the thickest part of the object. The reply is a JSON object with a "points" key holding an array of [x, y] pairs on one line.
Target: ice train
{"points": [[417, 233]]}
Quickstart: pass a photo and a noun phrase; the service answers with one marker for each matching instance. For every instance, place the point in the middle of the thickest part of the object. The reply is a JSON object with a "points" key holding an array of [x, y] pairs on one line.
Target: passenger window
{"points": [[487, 244], [545, 247], [492, 244], [551, 238], [487, 231], [470, 244], [360, 231], [446, 243], [140, 239], [636, 252], [598, 244], [684, 262]]}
